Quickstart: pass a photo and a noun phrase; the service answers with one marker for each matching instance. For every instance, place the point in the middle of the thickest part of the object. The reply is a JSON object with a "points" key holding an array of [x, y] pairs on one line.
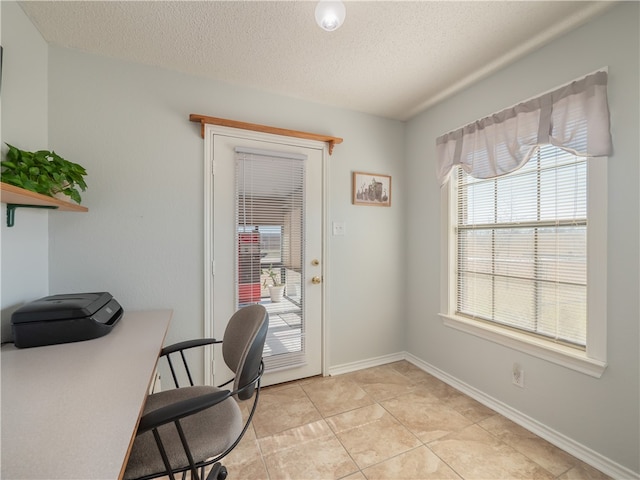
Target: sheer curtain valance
{"points": [[574, 118]]}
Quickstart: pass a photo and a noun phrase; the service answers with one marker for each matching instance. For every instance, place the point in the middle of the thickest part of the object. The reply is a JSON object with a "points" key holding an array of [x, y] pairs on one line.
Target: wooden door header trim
{"points": [[223, 122]]}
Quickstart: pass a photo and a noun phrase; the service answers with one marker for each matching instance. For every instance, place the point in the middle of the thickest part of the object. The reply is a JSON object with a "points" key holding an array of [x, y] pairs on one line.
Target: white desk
{"points": [[70, 411]]}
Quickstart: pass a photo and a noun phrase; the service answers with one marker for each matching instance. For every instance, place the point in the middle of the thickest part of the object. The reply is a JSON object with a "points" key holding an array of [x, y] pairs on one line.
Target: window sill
{"points": [[558, 354]]}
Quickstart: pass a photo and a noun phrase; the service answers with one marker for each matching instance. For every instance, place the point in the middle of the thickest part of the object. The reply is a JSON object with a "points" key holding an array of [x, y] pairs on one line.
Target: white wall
{"points": [[602, 414], [25, 259], [142, 238]]}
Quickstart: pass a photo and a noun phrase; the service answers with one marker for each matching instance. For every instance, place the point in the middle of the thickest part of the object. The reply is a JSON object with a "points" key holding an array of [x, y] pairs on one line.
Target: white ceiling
{"points": [[391, 59]]}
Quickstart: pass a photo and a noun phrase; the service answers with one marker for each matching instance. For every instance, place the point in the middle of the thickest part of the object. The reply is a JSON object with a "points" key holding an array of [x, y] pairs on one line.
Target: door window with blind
{"points": [[525, 241], [270, 235]]}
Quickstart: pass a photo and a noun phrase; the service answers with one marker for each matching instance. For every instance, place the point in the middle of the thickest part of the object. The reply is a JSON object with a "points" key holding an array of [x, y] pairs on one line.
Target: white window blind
{"points": [[522, 247], [270, 234]]}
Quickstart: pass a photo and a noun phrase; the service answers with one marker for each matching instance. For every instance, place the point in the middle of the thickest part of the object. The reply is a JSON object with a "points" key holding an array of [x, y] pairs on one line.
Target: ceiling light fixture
{"points": [[330, 14]]}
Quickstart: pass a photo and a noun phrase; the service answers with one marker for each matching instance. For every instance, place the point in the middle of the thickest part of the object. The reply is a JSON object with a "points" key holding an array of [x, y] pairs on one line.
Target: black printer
{"points": [[65, 318]]}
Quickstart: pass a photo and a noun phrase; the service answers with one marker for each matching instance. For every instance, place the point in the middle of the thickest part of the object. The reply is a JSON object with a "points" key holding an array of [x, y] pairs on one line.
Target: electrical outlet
{"points": [[517, 375]]}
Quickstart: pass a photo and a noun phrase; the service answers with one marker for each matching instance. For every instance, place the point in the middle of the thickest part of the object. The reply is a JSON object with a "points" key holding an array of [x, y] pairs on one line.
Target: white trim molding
{"points": [[210, 132], [368, 363], [553, 352]]}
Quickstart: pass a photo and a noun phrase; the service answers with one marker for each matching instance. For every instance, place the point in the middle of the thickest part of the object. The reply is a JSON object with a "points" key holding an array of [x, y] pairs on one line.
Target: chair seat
{"points": [[209, 433]]}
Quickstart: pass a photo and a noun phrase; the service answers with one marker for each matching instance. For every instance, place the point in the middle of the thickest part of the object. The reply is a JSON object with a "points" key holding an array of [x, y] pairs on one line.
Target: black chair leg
{"points": [[218, 472]]}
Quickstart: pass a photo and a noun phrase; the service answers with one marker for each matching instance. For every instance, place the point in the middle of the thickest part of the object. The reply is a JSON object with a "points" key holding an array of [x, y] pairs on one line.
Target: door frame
{"points": [[210, 131]]}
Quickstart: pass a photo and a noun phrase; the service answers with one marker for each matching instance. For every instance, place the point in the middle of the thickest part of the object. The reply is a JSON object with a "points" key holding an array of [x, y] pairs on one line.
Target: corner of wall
{"points": [[24, 260]]}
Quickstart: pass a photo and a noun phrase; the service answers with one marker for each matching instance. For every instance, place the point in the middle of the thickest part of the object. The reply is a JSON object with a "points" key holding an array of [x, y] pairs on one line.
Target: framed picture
{"points": [[371, 189]]}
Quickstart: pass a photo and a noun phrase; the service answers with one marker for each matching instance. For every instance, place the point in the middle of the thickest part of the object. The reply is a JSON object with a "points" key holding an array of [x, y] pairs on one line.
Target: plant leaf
{"points": [[43, 172]]}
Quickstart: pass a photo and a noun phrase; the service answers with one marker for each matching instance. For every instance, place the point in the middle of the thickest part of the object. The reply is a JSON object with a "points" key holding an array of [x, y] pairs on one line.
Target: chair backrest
{"points": [[243, 344]]}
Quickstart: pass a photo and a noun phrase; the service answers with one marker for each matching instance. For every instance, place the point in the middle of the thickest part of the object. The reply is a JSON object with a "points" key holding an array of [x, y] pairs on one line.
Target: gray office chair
{"points": [[187, 429]]}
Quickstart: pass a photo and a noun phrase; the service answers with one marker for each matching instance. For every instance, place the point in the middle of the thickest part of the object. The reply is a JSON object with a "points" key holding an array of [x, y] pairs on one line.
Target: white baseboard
{"points": [[587, 455], [362, 364]]}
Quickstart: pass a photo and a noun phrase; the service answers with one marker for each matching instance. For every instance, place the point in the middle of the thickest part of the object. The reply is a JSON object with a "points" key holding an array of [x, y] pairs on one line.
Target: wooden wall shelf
{"points": [[16, 197]]}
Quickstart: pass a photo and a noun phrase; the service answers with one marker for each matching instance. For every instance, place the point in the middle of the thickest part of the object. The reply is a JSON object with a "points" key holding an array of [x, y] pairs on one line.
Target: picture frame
{"points": [[372, 189]]}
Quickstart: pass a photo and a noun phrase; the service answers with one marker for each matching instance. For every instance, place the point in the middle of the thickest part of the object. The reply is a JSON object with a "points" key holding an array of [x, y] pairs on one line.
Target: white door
{"points": [[253, 225]]}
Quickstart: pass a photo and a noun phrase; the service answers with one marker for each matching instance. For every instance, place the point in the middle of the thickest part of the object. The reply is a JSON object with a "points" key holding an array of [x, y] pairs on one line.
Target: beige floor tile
{"points": [[295, 436], [371, 435], [249, 470], [470, 408], [417, 464], [280, 386], [283, 408], [322, 459], [428, 418], [426, 392], [382, 382], [476, 454], [247, 449], [333, 395], [372, 424], [307, 380], [356, 418], [409, 370], [354, 476], [540, 451], [437, 387], [582, 471]]}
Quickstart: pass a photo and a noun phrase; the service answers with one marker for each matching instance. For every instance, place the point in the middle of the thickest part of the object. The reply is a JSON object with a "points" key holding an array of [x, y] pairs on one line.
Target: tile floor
{"points": [[389, 422]]}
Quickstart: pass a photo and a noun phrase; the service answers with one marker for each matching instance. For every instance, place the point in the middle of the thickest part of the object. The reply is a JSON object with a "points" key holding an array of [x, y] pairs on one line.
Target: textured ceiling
{"points": [[391, 59]]}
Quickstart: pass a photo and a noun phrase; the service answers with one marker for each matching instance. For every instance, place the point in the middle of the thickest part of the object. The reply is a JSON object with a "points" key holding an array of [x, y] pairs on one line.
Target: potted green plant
{"points": [[276, 289], [43, 172]]}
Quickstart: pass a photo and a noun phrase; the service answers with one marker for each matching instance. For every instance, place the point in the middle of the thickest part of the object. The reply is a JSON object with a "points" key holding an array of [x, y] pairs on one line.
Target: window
{"points": [[521, 243], [525, 239]]}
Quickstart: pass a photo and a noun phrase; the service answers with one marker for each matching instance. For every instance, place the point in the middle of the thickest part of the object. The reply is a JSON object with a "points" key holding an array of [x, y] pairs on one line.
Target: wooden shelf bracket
{"points": [[204, 120]]}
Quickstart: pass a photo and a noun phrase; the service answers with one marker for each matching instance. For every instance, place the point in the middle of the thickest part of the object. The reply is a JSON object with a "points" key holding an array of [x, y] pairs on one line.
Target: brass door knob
{"points": [[316, 280]]}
